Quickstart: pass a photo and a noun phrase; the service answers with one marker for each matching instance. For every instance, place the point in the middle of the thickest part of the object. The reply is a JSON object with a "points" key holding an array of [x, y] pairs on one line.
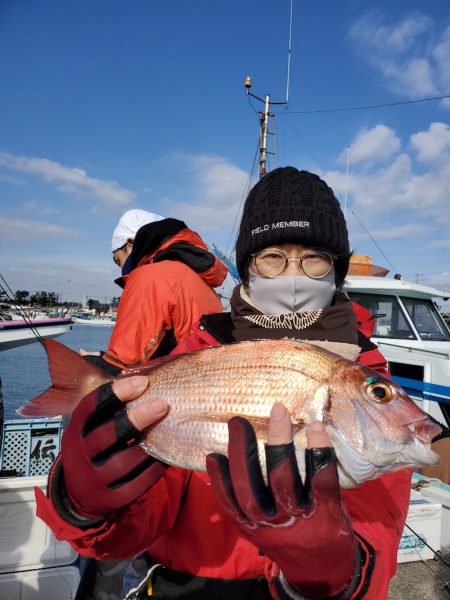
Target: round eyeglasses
{"points": [[271, 263]]}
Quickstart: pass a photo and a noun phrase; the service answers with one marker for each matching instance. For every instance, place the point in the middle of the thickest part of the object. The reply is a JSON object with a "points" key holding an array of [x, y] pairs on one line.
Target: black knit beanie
{"points": [[291, 206]]}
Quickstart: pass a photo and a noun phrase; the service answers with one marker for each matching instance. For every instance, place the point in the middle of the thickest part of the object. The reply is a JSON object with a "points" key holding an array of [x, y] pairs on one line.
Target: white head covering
{"points": [[129, 224]]}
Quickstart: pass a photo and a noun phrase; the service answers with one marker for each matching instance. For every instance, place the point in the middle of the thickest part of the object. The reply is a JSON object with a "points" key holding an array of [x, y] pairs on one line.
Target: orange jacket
{"points": [[161, 301]]}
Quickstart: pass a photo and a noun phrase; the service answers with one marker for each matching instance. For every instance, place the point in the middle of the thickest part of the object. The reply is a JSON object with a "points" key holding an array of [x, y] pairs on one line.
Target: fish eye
{"points": [[378, 391]]}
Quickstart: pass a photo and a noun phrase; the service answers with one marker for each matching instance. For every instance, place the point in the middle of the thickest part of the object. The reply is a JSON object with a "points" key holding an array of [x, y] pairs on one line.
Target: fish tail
{"points": [[69, 373]]}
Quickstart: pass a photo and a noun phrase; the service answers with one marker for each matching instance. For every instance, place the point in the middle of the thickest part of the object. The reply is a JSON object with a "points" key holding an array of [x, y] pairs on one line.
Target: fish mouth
{"points": [[355, 467], [424, 429]]}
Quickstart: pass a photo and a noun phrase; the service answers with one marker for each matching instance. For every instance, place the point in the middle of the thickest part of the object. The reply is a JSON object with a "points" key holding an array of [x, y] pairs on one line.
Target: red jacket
{"points": [[179, 522]]}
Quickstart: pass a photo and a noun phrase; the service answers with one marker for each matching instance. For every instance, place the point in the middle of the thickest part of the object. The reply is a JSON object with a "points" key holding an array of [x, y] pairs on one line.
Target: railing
{"points": [[413, 349]]}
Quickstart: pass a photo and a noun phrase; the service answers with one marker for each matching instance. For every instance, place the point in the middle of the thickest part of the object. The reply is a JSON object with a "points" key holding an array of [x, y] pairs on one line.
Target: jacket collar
{"points": [[171, 239]]}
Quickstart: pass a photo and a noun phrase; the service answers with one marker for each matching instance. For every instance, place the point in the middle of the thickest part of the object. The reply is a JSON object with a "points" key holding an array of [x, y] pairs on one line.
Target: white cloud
{"points": [[441, 281], [35, 208], [373, 191], [17, 229], [401, 232], [439, 244], [216, 191], [378, 143], [399, 201], [219, 179], [400, 185], [441, 54], [407, 54], [413, 76], [370, 30], [71, 180], [64, 276], [433, 144]]}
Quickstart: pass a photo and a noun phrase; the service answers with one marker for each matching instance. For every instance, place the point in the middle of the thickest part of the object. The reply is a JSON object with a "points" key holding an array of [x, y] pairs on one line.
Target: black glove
{"points": [[302, 527], [101, 467]]}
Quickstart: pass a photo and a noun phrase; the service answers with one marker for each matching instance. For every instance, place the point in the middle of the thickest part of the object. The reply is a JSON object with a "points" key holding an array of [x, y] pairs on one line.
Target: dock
{"points": [[422, 579]]}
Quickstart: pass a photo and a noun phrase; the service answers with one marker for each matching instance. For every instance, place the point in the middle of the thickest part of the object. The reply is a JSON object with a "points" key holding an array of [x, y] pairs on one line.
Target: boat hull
{"points": [[17, 333]]}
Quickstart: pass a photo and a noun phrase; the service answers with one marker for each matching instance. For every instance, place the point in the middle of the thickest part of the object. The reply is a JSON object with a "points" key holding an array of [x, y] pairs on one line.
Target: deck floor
{"points": [[424, 580]]}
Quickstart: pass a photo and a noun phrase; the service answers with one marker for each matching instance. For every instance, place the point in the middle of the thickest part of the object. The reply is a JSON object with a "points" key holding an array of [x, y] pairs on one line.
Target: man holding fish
{"points": [[306, 488]]}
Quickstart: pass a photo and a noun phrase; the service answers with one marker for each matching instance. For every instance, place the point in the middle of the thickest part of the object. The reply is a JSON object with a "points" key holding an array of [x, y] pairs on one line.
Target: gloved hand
{"points": [[302, 527], [101, 467]]}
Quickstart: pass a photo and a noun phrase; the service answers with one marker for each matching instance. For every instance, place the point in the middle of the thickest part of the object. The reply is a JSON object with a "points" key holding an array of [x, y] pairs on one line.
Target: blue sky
{"points": [[107, 105]]}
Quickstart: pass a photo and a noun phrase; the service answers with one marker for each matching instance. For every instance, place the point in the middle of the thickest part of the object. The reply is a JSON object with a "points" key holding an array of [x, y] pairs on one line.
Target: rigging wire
{"points": [[373, 240], [10, 295], [244, 195], [275, 149], [308, 150], [221, 290], [367, 107], [252, 105], [437, 554], [352, 211]]}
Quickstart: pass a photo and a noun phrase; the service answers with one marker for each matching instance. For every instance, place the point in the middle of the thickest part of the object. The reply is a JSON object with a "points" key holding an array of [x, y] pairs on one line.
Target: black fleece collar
{"points": [[151, 236]]}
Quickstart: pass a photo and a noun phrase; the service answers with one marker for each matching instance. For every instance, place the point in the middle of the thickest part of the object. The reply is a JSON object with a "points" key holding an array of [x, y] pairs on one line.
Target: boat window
{"points": [[404, 370], [391, 321], [426, 319]]}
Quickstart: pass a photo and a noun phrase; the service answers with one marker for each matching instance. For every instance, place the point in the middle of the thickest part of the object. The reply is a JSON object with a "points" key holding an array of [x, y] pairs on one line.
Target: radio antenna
{"points": [[265, 114], [289, 55]]}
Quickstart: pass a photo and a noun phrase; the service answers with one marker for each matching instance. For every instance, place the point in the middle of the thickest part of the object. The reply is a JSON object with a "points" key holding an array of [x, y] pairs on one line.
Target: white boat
{"points": [[18, 332], [90, 320], [411, 334]]}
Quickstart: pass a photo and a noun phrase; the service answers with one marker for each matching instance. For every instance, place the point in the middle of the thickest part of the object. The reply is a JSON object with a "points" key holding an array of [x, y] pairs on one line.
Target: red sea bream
{"points": [[375, 427]]}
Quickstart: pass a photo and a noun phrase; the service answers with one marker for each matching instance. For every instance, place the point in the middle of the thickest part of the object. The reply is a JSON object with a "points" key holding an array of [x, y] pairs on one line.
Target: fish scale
{"points": [[374, 426]]}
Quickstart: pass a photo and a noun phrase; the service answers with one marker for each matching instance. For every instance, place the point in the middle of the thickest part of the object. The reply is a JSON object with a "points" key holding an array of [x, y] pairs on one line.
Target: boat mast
{"points": [[263, 125], [264, 116]]}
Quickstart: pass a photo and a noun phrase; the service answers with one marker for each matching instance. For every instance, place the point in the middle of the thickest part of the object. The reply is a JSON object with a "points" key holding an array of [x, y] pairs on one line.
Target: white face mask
{"points": [[291, 293]]}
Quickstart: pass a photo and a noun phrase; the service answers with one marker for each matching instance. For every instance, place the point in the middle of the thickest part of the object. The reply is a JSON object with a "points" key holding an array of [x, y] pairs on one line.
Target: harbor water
{"points": [[24, 371]]}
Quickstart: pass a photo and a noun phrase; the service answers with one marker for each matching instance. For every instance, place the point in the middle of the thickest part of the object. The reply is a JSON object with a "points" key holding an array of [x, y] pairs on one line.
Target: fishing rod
{"points": [[10, 296]]}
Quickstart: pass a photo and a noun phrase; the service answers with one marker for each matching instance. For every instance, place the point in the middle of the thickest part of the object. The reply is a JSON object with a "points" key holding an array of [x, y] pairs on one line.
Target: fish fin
{"points": [[155, 363], [68, 372], [321, 402]]}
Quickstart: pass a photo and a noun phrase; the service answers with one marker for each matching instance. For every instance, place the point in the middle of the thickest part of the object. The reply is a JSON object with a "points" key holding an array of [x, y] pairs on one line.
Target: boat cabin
{"points": [[412, 335]]}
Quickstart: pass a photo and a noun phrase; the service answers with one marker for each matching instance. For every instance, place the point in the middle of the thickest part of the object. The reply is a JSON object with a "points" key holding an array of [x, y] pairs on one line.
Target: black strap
{"points": [[167, 583], [365, 343], [219, 325], [166, 345], [151, 236], [57, 492], [198, 259], [100, 362]]}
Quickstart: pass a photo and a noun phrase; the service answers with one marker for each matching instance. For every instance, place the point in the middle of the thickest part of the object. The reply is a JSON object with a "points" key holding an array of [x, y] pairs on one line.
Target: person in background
{"points": [[226, 533], [168, 276]]}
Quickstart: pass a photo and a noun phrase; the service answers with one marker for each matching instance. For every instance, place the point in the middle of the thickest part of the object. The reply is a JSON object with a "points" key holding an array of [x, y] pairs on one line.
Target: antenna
{"points": [[289, 56], [346, 187], [264, 116]]}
